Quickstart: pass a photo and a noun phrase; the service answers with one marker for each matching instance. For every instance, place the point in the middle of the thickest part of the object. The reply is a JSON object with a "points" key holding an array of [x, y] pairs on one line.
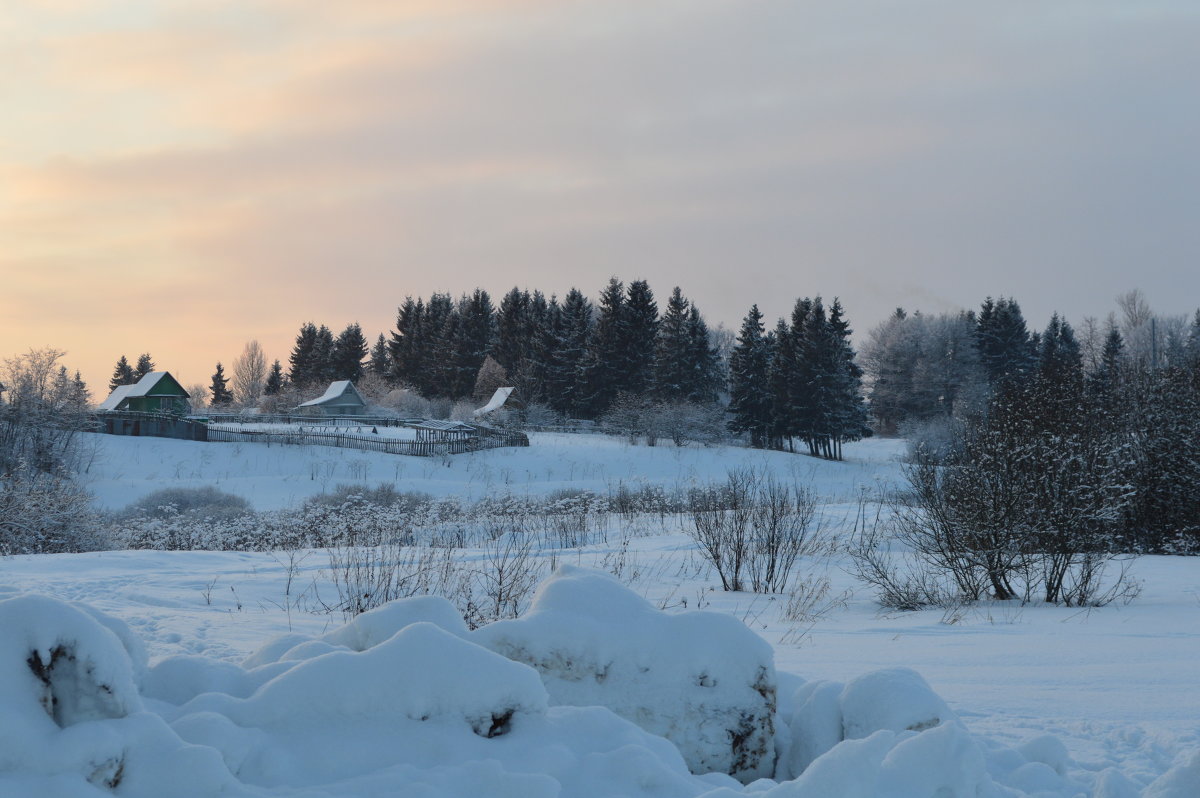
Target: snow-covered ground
{"points": [[122, 469], [1050, 701]]}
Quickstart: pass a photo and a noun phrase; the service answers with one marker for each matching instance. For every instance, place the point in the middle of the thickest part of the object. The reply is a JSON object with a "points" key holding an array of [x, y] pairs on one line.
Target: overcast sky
{"points": [[183, 176]]}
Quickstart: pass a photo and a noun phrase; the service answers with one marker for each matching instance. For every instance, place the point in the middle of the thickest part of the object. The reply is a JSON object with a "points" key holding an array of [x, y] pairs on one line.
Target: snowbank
{"points": [[701, 679], [72, 722], [404, 700]]}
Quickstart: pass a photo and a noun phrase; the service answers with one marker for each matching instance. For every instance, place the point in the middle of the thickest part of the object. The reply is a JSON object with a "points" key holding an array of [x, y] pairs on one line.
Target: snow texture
{"points": [[701, 679], [404, 701]]}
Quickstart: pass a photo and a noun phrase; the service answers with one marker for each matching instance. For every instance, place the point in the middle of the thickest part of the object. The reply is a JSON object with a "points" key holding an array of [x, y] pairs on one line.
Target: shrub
{"points": [[382, 495], [753, 530], [206, 502]]}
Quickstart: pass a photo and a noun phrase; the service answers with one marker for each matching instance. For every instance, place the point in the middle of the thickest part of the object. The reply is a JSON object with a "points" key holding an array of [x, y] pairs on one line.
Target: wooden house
{"points": [[157, 392], [341, 398]]}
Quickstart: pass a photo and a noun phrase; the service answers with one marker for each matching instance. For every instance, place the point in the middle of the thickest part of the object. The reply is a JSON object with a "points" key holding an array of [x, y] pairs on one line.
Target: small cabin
{"points": [[156, 392], [341, 398]]}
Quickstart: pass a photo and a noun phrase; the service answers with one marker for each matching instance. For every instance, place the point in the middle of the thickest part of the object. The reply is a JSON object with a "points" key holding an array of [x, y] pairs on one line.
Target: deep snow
{"points": [[1045, 700]]}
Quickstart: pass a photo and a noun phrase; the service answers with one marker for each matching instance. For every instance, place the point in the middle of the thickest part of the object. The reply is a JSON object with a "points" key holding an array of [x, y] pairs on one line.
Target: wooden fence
{"points": [[156, 425], [486, 439], [310, 421], [162, 425]]}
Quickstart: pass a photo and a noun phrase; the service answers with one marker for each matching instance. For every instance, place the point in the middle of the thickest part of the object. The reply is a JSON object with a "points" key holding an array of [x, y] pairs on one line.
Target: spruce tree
{"points": [[434, 348], [606, 356], [749, 390], [797, 401], [817, 382], [302, 361], [274, 383], [221, 395], [701, 361], [673, 379], [542, 350], [381, 359], [566, 379], [514, 330], [144, 365], [850, 412], [324, 364], [122, 375], [780, 374], [80, 395], [406, 341], [469, 339], [640, 331], [1007, 351], [349, 351]]}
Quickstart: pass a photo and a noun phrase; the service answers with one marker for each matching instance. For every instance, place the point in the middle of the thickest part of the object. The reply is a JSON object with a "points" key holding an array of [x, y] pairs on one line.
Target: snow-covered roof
{"points": [[114, 398], [143, 387], [334, 391], [443, 426], [498, 399]]}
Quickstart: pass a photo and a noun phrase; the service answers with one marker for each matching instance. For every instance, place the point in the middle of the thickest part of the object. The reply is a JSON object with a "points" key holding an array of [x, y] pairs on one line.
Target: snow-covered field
{"points": [[123, 469], [1042, 701]]}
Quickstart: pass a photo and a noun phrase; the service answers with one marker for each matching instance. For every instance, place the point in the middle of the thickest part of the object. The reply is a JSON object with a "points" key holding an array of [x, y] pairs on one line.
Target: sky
{"points": [[181, 176]]}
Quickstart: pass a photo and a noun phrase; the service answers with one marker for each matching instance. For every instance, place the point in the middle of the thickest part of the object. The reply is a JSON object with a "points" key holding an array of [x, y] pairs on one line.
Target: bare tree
{"points": [[249, 374], [199, 394], [753, 530]]}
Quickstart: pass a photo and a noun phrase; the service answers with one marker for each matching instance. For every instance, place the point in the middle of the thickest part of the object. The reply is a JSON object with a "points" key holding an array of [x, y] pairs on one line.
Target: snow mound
{"points": [[364, 631], [896, 699], [426, 708], [71, 719], [819, 715], [1181, 781], [700, 679], [405, 701], [421, 672]]}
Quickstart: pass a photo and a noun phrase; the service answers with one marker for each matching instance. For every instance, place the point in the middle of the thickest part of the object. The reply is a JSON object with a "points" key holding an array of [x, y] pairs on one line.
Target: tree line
{"points": [[1065, 445]]}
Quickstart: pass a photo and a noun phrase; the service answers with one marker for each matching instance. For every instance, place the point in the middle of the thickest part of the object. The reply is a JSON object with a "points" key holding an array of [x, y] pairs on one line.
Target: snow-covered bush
{"points": [[405, 403], [701, 679], [46, 514], [382, 495], [42, 508], [207, 502]]}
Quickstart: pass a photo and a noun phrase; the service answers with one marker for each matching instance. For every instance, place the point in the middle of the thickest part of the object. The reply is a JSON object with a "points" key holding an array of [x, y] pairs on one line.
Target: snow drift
{"points": [[701, 679], [404, 700]]}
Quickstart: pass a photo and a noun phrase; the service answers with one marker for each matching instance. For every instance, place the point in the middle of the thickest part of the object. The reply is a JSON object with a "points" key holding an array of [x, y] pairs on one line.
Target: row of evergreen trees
{"points": [[571, 355], [319, 358], [798, 381], [124, 374], [583, 359]]}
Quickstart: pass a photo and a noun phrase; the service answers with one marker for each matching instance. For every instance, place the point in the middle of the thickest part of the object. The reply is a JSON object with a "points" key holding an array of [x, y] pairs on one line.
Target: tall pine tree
{"points": [[221, 395], [275, 378], [144, 365], [122, 375], [381, 359], [640, 331], [349, 351], [606, 356], [749, 390], [302, 358]]}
